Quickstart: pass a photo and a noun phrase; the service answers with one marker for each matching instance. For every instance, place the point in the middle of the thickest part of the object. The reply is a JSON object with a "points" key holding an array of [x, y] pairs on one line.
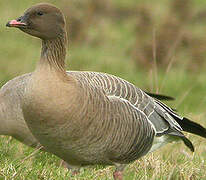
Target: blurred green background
{"points": [[160, 46]]}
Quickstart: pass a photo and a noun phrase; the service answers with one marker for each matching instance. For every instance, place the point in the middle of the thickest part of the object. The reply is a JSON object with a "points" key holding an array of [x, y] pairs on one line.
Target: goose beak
{"points": [[17, 23]]}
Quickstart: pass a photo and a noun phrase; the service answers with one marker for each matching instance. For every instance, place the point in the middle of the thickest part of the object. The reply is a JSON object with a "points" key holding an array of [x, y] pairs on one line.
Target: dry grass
{"points": [[171, 162]]}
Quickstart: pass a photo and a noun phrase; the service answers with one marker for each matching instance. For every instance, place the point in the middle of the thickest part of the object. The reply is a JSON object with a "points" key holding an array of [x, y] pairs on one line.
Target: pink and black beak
{"points": [[18, 23]]}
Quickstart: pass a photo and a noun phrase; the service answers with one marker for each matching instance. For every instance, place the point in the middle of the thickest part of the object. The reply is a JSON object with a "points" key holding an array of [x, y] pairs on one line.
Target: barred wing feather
{"points": [[156, 112]]}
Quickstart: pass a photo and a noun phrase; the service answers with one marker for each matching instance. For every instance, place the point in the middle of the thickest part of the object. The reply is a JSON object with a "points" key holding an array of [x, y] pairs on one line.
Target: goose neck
{"points": [[53, 52]]}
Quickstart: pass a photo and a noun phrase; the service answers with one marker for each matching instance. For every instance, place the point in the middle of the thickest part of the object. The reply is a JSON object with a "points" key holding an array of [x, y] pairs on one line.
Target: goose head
{"points": [[43, 20]]}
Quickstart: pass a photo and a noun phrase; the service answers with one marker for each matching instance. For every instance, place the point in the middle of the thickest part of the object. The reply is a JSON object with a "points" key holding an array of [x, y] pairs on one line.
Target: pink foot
{"points": [[118, 175], [75, 172]]}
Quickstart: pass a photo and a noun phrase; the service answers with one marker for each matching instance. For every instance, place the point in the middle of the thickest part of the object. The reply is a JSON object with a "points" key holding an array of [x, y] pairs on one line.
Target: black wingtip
{"points": [[188, 143], [192, 127], [160, 96]]}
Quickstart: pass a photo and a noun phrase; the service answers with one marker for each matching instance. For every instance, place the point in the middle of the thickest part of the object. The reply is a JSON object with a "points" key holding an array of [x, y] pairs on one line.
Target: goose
{"points": [[89, 118], [11, 116]]}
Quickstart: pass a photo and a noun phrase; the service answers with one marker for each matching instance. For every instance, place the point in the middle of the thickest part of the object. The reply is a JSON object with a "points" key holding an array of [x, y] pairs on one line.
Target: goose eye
{"points": [[39, 13]]}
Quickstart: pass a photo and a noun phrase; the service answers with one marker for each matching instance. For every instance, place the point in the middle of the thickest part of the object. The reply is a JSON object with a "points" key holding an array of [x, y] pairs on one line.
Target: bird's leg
{"points": [[118, 173], [75, 170]]}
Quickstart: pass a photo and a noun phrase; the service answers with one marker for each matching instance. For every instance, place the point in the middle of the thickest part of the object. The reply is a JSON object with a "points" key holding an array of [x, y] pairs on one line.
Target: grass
{"points": [[106, 48], [171, 162]]}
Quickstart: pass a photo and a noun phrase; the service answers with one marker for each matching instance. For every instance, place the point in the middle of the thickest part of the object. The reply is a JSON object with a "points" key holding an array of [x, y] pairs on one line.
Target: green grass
{"points": [[106, 49]]}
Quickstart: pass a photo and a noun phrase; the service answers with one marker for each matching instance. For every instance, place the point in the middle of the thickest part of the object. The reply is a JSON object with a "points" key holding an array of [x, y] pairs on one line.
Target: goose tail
{"points": [[191, 127]]}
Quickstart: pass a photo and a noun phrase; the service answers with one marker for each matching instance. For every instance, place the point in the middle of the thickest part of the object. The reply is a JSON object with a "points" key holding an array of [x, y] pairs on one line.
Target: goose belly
{"points": [[162, 141], [96, 141]]}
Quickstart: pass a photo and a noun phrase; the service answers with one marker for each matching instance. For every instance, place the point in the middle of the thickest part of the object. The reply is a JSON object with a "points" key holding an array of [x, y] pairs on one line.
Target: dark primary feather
{"points": [[186, 124], [191, 127], [160, 96]]}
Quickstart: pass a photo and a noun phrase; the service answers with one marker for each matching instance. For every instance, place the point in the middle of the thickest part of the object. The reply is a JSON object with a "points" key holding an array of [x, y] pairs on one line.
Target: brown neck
{"points": [[53, 52]]}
